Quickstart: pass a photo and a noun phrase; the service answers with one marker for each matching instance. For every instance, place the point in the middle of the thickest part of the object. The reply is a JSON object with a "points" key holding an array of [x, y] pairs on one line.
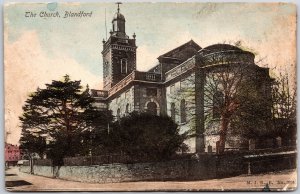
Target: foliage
{"points": [[252, 119], [61, 113], [284, 98], [284, 107], [155, 137], [32, 144], [245, 107], [235, 103]]}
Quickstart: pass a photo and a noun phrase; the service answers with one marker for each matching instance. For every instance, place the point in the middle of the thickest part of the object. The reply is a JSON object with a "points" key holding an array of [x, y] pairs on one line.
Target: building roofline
{"points": [[179, 47], [131, 83]]}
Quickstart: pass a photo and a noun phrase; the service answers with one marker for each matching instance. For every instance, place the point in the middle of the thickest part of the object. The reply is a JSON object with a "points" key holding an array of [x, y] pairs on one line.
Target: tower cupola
{"points": [[118, 23], [119, 53]]}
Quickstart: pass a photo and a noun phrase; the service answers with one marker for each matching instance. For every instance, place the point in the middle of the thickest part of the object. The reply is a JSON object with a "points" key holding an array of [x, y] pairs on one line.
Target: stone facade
{"points": [[123, 104], [176, 86]]}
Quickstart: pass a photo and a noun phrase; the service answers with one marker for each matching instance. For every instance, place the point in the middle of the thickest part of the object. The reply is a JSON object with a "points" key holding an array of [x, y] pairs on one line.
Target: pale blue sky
{"points": [[157, 26]]}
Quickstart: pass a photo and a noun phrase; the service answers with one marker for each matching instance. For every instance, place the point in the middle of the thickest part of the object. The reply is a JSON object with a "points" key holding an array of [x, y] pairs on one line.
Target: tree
{"points": [[233, 95], [61, 113], [236, 97], [31, 144], [96, 139], [155, 137], [284, 107]]}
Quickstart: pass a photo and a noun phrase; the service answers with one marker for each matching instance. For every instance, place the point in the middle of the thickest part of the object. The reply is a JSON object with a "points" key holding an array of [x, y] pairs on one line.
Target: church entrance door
{"points": [[152, 108]]}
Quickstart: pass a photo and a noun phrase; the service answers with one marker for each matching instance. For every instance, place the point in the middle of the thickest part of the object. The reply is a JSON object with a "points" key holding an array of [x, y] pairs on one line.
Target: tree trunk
{"points": [[223, 133]]}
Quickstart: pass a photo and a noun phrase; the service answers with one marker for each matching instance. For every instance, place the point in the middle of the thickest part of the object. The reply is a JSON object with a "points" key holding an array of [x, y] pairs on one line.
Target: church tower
{"points": [[119, 53]]}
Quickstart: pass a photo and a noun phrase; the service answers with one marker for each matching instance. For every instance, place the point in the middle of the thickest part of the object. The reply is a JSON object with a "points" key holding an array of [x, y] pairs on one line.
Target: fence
{"points": [[42, 162], [39, 162], [114, 158], [258, 151]]}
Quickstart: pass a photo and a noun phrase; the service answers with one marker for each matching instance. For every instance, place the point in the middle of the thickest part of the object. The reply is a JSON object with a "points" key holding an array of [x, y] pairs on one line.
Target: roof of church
{"points": [[182, 52], [218, 48]]}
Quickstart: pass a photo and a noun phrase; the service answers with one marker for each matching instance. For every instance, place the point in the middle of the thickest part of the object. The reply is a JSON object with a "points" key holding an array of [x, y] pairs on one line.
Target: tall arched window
{"points": [[152, 108], [182, 111], [118, 114], [127, 109], [173, 111], [218, 99], [124, 66]]}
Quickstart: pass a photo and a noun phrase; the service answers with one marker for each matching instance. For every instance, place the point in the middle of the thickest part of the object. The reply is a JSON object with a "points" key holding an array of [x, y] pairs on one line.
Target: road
{"points": [[285, 180]]}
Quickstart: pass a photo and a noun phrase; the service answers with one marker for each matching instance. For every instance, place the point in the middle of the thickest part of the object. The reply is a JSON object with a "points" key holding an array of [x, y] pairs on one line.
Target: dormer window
{"points": [[124, 66]]}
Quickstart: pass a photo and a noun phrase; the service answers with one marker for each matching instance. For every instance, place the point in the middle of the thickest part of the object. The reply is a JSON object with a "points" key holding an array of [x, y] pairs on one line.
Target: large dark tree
{"points": [[148, 136], [61, 114]]}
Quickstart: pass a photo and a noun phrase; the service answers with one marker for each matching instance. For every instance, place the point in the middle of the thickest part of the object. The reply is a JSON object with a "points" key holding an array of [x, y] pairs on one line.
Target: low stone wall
{"points": [[206, 166], [161, 171], [272, 163], [25, 169], [230, 165], [46, 171], [196, 169]]}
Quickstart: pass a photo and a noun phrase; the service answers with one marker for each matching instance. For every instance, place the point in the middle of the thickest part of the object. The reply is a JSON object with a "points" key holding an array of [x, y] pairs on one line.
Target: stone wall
{"points": [[25, 169], [102, 174], [159, 171], [136, 99], [183, 89], [141, 98], [46, 171], [123, 101], [272, 163], [206, 166]]}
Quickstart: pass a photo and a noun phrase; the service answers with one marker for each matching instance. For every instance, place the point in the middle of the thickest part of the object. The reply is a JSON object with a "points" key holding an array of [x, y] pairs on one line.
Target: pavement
{"points": [[279, 181]]}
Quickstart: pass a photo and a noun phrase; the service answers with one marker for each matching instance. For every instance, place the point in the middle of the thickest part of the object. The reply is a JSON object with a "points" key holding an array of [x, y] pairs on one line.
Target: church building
{"points": [[177, 85]]}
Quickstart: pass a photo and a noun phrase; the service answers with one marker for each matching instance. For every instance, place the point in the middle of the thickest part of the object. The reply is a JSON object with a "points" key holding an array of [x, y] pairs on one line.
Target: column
{"points": [[199, 97]]}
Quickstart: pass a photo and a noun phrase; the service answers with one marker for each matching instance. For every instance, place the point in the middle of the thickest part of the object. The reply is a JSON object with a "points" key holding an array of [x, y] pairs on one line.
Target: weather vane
{"points": [[118, 6]]}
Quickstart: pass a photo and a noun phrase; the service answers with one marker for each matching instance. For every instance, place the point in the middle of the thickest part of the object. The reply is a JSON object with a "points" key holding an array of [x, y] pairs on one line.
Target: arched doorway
{"points": [[152, 108]]}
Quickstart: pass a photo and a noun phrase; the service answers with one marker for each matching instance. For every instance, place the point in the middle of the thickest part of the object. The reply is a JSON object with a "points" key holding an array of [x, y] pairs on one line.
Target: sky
{"points": [[38, 50]]}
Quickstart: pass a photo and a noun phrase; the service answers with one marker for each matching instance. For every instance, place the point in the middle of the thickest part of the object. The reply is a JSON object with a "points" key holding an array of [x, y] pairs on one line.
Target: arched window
{"points": [[173, 111], [123, 66], [127, 109], [218, 99], [182, 111], [152, 108], [118, 114]]}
